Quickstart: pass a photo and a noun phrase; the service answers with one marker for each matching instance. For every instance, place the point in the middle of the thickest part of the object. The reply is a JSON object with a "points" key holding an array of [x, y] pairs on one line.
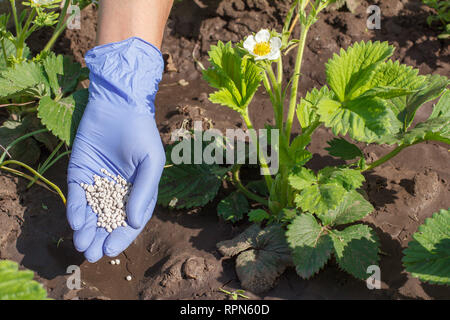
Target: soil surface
{"points": [[176, 257]]}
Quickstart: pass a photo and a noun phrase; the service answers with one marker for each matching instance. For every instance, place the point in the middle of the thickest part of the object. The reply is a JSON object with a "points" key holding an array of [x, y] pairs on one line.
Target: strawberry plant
{"points": [[442, 16], [40, 93], [368, 98]]}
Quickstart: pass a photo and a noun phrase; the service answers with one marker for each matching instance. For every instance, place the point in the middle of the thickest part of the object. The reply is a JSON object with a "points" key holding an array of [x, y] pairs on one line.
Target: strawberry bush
{"points": [[368, 98]]}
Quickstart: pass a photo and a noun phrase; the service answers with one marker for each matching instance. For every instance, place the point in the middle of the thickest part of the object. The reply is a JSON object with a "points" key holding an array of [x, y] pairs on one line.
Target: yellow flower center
{"points": [[262, 49]]}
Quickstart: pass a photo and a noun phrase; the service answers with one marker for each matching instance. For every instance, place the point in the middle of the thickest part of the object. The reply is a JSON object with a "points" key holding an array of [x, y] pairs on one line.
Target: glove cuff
{"points": [[125, 73]]}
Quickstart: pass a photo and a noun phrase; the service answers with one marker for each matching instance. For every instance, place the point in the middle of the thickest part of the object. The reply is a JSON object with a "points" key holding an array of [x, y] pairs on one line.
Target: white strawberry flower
{"points": [[263, 46], [42, 2]]}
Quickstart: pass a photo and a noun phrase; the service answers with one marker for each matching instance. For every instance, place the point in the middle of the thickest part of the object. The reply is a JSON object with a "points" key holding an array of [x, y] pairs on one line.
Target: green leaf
{"points": [[27, 150], [392, 74], [442, 108], [320, 198], [430, 129], [233, 207], [323, 193], [63, 74], [189, 185], [428, 255], [236, 77], [311, 247], [297, 154], [20, 79], [63, 116], [364, 119], [433, 87], [306, 109], [18, 285], [258, 215], [356, 248], [301, 177], [287, 215], [349, 73], [387, 92], [225, 98], [351, 209], [348, 178], [341, 148]]}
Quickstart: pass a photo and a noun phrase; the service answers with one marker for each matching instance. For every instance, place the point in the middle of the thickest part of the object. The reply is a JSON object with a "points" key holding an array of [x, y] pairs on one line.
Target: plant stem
{"points": [[278, 105], [60, 27], [17, 104], [237, 182], [16, 20], [262, 159], [51, 184], [310, 130], [280, 71], [388, 156], [269, 89], [23, 34], [296, 78], [398, 149]]}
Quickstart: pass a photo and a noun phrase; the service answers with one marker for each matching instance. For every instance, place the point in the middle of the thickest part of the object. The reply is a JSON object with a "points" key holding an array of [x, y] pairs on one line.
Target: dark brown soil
{"points": [[175, 257]]}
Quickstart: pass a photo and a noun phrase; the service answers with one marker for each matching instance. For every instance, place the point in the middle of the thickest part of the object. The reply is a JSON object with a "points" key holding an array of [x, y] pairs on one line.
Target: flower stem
{"points": [[60, 27], [16, 20], [270, 92], [295, 82], [278, 106], [262, 159], [237, 182], [23, 34]]}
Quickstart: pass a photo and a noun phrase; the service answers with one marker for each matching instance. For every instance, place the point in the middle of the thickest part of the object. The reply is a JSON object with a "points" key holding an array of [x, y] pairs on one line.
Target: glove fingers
{"points": [[76, 206], [95, 250], [144, 188], [84, 237], [122, 237]]}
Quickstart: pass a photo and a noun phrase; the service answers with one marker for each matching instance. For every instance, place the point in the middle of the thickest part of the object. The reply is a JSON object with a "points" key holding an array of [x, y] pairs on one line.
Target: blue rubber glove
{"points": [[117, 132]]}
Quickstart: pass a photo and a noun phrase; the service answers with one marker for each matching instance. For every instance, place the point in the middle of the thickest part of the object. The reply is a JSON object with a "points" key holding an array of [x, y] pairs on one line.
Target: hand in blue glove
{"points": [[117, 132]]}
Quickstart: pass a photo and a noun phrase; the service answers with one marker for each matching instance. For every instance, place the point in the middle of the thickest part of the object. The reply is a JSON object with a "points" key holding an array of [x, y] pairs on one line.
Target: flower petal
{"points": [[260, 57], [273, 55], [275, 43], [249, 43], [263, 35]]}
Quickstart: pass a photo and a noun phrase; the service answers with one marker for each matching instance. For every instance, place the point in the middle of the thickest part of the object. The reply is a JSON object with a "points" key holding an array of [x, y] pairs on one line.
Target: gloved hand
{"points": [[117, 132]]}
